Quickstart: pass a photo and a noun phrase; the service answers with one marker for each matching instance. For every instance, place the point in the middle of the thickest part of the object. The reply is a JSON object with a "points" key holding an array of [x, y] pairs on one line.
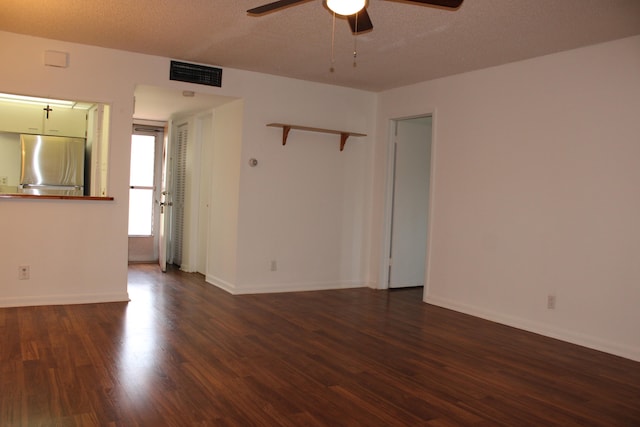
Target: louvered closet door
{"points": [[179, 176]]}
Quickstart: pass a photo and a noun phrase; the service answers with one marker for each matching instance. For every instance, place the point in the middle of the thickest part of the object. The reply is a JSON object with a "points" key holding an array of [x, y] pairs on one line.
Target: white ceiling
{"points": [[159, 104], [409, 42]]}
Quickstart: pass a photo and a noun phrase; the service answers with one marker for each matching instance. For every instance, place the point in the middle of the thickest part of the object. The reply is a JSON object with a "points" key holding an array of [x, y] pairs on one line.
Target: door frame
{"points": [[389, 199], [156, 129]]}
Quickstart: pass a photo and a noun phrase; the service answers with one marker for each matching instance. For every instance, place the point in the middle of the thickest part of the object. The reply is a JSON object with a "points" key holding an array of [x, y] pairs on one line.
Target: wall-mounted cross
{"points": [[48, 109]]}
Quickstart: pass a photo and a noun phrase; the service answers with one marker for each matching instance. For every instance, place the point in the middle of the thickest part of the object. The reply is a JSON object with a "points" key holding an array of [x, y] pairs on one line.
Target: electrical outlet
{"points": [[551, 302], [4, 180], [24, 272], [274, 265]]}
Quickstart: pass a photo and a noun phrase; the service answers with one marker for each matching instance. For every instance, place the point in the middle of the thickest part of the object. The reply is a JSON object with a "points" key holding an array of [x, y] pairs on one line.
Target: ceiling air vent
{"points": [[193, 73]]}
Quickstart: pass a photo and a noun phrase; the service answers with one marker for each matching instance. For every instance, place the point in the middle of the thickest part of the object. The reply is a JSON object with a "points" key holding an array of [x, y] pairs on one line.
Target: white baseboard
{"points": [[547, 330], [222, 284], [281, 287], [298, 287], [63, 299]]}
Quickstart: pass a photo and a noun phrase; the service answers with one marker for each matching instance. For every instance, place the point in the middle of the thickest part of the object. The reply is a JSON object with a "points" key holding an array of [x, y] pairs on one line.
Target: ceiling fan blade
{"points": [[452, 4], [270, 7], [360, 22]]}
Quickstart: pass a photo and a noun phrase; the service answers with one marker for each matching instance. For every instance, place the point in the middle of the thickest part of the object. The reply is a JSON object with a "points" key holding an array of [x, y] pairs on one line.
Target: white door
{"points": [[178, 185], [164, 203], [408, 251]]}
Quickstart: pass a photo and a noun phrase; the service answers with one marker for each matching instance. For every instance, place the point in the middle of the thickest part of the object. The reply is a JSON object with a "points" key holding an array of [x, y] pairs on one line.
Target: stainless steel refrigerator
{"points": [[52, 165]]}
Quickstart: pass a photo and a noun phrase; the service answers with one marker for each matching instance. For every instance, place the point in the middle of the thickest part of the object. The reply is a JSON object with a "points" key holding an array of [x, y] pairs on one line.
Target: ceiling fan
{"points": [[354, 10]]}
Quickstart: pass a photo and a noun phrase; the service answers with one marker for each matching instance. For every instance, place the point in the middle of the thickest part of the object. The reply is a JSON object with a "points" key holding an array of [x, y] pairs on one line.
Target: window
{"points": [[143, 150]]}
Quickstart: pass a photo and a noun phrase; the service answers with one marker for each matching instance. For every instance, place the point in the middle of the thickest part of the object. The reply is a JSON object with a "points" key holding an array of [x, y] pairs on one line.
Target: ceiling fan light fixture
{"points": [[346, 7]]}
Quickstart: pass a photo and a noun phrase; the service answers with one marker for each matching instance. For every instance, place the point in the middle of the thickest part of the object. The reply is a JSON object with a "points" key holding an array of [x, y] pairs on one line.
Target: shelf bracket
{"points": [[343, 139], [285, 134]]}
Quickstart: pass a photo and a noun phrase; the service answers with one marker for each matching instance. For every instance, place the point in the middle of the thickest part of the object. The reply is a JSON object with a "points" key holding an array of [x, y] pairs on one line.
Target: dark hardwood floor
{"points": [[184, 353]]}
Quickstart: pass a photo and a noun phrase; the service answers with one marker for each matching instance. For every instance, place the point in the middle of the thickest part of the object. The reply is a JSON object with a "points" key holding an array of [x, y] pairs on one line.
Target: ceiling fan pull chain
{"points": [[333, 42], [355, 43]]}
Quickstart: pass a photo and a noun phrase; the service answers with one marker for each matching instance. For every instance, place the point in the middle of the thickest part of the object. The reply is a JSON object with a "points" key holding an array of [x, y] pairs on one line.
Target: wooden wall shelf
{"points": [[286, 128]]}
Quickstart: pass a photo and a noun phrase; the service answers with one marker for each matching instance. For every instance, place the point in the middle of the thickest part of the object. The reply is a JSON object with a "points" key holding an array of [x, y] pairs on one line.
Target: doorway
{"points": [[144, 184], [189, 118], [408, 204]]}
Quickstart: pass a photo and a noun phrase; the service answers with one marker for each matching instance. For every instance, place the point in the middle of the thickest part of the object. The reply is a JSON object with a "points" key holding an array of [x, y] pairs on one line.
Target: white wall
{"points": [[306, 204], [537, 165], [223, 163], [77, 250]]}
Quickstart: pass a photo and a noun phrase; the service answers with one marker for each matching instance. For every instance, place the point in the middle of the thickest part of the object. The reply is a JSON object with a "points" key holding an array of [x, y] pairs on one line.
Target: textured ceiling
{"points": [[409, 42]]}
